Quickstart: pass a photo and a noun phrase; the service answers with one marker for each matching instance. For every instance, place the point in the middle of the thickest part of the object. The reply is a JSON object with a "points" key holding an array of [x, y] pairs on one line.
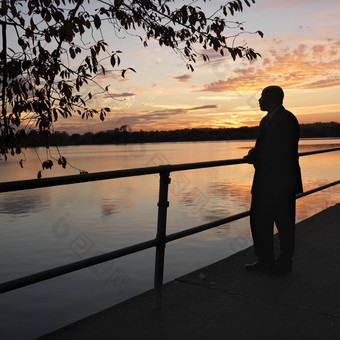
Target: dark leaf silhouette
{"points": [[97, 21], [124, 71], [113, 60], [47, 164], [62, 161], [260, 33]]}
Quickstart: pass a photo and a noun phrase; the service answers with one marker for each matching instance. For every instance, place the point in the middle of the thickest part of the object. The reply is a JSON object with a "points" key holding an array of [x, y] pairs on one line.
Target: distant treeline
{"points": [[122, 135]]}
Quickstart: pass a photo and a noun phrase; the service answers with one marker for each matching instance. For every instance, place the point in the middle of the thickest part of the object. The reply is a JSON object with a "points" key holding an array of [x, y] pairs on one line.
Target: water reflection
{"points": [[24, 203], [116, 205], [314, 203], [216, 213], [119, 196], [308, 147], [228, 198], [225, 190], [110, 207]]}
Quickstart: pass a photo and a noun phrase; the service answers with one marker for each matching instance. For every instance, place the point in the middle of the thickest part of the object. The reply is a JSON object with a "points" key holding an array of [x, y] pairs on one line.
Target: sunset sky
{"points": [[300, 52]]}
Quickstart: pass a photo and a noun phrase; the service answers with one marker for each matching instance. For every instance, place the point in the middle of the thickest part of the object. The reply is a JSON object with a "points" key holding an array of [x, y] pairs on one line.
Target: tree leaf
{"points": [[62, 161], [129, 68], [97, 21], [260, 33], [47, 164], [113, 60]]}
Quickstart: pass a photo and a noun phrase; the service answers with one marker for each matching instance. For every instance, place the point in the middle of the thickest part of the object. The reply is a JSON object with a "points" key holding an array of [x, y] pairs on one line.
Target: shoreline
{"points": [[124, 135]]}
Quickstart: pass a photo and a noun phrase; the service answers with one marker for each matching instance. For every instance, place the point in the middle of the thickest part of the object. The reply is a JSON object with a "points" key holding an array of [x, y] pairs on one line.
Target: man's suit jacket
{"points": [[275, 156]]}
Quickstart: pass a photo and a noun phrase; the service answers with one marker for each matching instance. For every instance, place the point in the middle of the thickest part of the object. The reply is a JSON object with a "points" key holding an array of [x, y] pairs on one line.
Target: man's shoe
{"points": [[281, 268], [258, 266]]}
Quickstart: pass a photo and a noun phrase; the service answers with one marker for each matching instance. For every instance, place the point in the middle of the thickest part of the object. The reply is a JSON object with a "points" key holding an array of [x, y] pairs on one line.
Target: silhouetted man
{"points": [[277, 180]]}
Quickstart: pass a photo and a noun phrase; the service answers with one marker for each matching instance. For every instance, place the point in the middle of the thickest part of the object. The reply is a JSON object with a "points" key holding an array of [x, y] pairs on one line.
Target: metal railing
{"points": [[161, 238]]}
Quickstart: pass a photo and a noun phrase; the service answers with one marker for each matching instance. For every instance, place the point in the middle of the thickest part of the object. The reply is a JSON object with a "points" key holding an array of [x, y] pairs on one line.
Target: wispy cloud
{"points": [[323, 83], [203, 107], [120, 95], [185, 78], [160, 119], [162, 114]]}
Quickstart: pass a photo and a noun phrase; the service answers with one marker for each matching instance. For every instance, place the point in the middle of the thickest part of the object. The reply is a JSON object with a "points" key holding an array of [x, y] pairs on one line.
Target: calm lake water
{"points": [[44, 228]]}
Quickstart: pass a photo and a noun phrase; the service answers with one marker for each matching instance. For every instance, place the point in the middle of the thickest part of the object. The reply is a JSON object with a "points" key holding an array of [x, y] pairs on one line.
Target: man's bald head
{"points": [[272, 97]]}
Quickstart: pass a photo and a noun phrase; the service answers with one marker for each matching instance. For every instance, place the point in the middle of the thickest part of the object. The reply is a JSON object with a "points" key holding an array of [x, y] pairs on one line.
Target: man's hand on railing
{"points": [[250, 157]]}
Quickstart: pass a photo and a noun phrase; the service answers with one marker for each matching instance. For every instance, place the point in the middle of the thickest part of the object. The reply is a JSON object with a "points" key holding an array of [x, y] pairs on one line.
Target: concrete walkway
{"points": [[223, 301]]}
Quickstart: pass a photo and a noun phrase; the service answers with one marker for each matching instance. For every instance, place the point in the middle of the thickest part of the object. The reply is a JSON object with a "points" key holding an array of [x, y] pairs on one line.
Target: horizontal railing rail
{"points": [[161, 238], [104, 175]]}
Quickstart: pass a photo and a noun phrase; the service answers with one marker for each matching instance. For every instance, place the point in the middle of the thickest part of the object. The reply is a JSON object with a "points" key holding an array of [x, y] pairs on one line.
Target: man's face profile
{"points": [[265, 100]]}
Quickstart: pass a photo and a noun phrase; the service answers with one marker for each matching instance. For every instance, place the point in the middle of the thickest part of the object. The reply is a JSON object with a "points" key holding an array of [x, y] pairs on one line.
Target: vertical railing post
{"points": [[163, 205]]}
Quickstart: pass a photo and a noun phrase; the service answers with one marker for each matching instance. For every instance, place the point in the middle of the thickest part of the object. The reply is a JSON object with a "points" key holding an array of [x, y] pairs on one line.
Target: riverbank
{"points": [[224, 301], [124, 135]]}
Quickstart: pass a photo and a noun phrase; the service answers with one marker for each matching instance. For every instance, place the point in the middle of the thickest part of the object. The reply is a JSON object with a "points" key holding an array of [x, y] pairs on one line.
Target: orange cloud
{"points": [[303, 67], [329, 82]]}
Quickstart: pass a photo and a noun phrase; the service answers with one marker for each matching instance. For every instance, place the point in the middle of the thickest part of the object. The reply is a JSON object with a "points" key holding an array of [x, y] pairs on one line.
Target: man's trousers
{"points": [[264, 211]]}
